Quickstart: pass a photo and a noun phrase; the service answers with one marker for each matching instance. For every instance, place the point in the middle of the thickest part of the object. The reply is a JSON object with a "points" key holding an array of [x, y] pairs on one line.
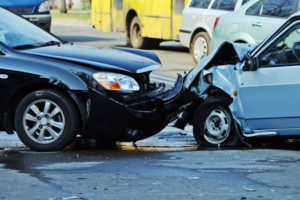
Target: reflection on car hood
{"points": [[137, 61]]}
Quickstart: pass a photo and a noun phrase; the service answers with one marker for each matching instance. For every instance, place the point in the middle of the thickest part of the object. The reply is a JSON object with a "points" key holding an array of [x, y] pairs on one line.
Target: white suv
{"points": [[198, 20]]}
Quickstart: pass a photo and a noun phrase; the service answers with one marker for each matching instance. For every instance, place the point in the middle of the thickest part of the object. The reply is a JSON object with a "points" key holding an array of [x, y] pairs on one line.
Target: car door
{"points": [[265, 16], [270, 95], [4, 88]]}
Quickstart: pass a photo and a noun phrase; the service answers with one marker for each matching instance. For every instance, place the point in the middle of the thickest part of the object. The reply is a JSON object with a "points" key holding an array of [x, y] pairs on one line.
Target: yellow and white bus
{"points": [[145, 22]]}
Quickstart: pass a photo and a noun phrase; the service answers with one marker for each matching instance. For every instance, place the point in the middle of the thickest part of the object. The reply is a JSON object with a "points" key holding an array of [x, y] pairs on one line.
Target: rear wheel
{"points": [[214, 125], [46, 120], [200, 46], [137, 40]]}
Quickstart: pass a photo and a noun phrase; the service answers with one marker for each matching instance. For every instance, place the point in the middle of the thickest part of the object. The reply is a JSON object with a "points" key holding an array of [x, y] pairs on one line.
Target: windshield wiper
{"points": [[50, 43], [24, 46]]}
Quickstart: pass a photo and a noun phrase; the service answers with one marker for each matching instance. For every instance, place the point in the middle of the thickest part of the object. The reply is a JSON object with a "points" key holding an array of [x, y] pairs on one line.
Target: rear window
{"points": [[200, 3], [274, 8], [224, 4]]}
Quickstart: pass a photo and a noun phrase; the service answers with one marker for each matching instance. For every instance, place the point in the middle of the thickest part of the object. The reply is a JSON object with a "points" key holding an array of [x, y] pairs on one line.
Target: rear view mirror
{"points": [[249, 64], [296, 50]]}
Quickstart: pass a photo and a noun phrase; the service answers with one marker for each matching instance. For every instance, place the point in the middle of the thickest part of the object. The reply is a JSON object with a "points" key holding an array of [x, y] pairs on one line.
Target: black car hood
{"points": [[132, 61]]}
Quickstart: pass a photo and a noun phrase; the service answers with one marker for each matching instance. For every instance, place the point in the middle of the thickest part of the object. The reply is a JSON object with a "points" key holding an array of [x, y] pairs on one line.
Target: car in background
{"points": [[52, 90], [36, 11], [248, 91], [253, 22], [199, 18]]}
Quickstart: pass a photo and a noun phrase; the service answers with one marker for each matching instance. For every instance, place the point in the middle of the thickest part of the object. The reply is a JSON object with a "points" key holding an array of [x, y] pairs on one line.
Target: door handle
{"points": [[257, 24]]}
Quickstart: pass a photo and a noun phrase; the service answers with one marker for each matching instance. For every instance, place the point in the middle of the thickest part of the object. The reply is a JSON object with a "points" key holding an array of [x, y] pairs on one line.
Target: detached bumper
{"points": [[137, 117], [43, 21]]}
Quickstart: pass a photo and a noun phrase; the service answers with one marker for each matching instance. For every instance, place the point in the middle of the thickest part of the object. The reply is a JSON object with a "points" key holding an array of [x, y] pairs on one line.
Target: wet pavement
{"points": [[166, 166]]}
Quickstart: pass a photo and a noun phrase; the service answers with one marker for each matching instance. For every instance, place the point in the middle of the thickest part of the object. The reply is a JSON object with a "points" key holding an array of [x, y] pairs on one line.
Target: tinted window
{"points": [[224, 4], [200, 3], [179, 6], [274, 8]]}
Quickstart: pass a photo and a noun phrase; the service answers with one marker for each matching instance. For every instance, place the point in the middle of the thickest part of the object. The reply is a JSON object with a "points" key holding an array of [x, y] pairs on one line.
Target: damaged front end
{"points": [[214, 81], [135, 116]]}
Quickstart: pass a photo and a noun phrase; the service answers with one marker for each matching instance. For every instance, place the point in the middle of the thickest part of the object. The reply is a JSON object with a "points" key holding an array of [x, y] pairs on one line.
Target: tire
{"points": [[200, 46], [213, 125], [46, 120], [136, 39]]}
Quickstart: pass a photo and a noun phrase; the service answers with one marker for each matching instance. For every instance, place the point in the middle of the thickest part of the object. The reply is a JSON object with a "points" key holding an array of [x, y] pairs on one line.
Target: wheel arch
{"points": [[198, 30], [78, 98]]}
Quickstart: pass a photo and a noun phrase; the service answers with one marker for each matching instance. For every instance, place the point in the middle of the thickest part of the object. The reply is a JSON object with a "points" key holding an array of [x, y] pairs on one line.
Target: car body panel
{"points": [[105, 58]]}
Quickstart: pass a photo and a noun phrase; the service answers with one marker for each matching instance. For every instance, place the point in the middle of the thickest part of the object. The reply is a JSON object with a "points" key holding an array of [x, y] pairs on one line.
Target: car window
{"points": [[200, 3], [273, 8], [224, 4], [285, 51]]}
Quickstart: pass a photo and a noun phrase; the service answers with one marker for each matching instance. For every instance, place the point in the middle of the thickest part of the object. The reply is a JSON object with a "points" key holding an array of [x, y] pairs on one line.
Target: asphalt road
{"points": [[167, 166]]}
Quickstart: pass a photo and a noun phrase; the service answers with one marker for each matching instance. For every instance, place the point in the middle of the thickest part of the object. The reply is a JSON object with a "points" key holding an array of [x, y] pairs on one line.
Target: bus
{"points": [[146, 23]]}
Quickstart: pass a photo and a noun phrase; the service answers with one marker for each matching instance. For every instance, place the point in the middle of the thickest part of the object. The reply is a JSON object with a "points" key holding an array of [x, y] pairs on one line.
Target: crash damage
{"points": [[215, 79]]}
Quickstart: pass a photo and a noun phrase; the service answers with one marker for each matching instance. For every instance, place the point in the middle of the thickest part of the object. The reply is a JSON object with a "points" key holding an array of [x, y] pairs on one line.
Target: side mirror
{"points": [[296, 50], [249, 63]]}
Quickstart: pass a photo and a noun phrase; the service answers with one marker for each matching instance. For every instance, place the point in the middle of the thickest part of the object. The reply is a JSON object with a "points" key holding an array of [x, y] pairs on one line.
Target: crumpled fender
{"points": [[227, 54]]}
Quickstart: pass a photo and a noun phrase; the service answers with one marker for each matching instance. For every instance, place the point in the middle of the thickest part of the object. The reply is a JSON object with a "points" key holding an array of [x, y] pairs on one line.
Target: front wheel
{"points": [[213, 125], [46, 120]]}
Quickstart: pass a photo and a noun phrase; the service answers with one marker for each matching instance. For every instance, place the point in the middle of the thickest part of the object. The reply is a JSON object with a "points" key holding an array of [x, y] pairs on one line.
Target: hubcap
{"points": [[43, 121], [200, 48], [217, 126]]}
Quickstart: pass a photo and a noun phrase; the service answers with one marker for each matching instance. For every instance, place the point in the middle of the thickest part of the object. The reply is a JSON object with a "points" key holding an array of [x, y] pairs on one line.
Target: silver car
{"points": [[253, 22], [198, 20]]}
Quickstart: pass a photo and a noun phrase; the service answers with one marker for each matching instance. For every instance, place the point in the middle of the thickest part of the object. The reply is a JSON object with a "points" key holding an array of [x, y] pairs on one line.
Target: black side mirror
{"points": [[296, 50], [249, 63]]}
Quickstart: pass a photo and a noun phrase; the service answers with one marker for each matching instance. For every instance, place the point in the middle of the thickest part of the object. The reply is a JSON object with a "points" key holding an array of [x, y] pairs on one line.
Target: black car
{"points": [[52, 91]]}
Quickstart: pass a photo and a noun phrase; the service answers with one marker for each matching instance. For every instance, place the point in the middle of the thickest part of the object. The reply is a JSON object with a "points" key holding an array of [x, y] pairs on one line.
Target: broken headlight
{"points": [[116, 82]]}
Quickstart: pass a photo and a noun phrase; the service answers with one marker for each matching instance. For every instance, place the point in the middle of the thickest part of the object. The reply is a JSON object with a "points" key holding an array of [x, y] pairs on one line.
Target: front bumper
{"points": [[43, 20], [137, 117]]}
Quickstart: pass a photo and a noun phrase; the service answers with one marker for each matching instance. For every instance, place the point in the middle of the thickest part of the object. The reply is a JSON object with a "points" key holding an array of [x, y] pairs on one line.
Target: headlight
{"points": [[116, 82], [44, 7]]}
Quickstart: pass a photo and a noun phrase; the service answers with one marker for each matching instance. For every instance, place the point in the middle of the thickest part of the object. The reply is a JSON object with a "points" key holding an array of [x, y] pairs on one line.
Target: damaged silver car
{"points": [[245, 91]]}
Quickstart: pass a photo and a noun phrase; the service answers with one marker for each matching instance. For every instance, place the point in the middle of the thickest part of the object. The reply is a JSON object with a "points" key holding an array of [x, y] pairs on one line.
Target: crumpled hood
{"points": [[227, 53], [132, 61]]}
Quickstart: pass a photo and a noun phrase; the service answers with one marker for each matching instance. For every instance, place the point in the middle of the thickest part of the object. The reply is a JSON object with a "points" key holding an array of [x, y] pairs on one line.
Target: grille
{"points": [[21, 10]]}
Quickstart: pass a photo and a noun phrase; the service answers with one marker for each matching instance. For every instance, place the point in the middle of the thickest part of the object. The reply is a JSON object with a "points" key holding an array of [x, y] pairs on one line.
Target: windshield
{"points": [[18, 33]]}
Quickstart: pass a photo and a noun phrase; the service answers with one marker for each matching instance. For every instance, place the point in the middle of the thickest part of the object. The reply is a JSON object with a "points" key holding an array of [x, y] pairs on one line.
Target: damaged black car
{"points": [[52, 91]]}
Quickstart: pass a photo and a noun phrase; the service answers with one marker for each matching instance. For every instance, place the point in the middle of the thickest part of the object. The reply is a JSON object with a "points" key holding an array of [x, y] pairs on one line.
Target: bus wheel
{"points": [[136, 38]]}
